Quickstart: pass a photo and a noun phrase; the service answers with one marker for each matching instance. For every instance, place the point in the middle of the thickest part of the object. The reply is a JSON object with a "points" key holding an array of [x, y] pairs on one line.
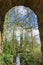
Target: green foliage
{"points": [[1, 59], [29, 49], [28, 54], [27, 59], [8, 59]]}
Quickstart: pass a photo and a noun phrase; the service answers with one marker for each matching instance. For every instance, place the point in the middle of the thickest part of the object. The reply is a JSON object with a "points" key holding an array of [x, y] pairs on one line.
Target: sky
{"points": [[25, 14]]}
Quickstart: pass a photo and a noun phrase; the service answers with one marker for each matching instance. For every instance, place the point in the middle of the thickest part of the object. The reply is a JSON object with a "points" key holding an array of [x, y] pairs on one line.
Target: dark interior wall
{"points": [[36, 6]]}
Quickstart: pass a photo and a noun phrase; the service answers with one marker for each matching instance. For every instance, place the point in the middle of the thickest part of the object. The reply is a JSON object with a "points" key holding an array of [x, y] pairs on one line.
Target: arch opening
{"points": [[21, 36]]}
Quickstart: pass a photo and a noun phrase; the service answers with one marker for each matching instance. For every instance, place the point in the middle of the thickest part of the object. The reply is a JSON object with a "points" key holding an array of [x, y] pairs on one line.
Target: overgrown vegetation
{"points": [[27, 46], [29, 50]]}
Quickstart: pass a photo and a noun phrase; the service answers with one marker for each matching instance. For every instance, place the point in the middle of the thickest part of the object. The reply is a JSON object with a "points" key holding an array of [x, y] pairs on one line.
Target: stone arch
{"points": [[36, 6]]}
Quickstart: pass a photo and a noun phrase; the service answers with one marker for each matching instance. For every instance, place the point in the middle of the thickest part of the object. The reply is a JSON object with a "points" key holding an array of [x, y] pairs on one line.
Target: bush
{"points": [[1, 59], [8, 59]]}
